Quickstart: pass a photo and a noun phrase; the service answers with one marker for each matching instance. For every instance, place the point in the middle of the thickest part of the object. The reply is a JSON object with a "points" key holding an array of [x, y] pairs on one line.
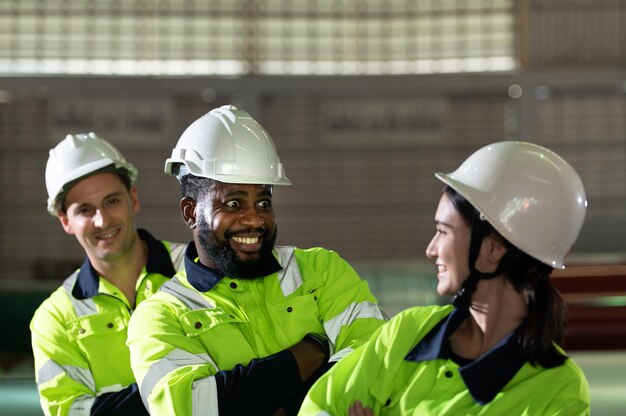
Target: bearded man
{"points": [[247, 327]]}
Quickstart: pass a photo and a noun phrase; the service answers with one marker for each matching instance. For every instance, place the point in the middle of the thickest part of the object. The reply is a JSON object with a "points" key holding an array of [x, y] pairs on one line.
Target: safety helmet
{"points": [[228, 145], [79, 155], [528, 193]]}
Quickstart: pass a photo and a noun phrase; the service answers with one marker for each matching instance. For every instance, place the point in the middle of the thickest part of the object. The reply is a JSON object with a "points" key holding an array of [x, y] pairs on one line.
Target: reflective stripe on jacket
{"points": [[181, 337], [79, 332]]}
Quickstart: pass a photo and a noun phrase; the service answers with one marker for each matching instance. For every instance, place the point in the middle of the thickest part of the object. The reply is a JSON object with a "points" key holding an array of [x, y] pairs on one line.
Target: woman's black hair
{"points": [[545, 323]]}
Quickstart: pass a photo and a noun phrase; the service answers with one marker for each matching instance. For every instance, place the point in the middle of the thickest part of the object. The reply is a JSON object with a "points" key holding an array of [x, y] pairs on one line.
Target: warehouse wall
{"points": [[361, 150]]}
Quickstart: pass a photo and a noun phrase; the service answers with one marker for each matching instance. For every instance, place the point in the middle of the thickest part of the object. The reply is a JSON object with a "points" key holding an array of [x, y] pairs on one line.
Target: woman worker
{"points": [[508, 215]]}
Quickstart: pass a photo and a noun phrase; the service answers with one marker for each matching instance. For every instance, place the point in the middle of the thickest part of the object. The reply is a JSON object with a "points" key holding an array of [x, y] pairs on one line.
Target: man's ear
{"points": [[188, 211], [65, 222]]}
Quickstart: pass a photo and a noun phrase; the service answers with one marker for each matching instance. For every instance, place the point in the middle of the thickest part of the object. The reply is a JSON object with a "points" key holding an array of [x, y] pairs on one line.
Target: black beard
{"points": [[225, 258]]}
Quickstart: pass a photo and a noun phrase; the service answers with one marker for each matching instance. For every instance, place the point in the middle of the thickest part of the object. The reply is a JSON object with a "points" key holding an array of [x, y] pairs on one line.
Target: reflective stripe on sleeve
{"points": [[82, 307], [176, 359], [340, 354], [204, 397], [289, 277], [353, 312], [82, 406], [192, 299], [110, 389], [51, 369]]}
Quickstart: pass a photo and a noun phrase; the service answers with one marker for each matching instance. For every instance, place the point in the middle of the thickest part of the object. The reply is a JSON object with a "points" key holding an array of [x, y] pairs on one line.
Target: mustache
{"points": [[260, 230]]}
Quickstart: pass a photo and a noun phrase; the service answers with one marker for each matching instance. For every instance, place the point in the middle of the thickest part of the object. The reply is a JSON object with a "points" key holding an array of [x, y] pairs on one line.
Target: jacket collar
{"points": [[204, 278], [484, 377], [159, 261]]}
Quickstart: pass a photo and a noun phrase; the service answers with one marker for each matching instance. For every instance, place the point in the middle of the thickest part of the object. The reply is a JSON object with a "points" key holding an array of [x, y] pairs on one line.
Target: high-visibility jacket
{"points": [[210, 344], [82, 363], [407, 368]]}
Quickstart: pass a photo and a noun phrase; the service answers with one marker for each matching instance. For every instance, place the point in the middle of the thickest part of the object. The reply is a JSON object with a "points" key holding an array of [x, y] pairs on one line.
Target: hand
{"points": [[357, 409], [309, 356]]}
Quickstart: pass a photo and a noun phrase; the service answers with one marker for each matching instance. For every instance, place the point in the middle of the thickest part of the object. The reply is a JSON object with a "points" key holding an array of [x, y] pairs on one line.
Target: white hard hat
{"points": [[228, 145], [528, 193], [79, 155]]}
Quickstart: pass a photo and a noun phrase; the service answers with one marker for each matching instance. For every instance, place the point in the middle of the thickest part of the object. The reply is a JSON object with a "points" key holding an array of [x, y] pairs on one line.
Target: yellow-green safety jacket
{"points": [[407, 368], [82, 363], [210, 344]]}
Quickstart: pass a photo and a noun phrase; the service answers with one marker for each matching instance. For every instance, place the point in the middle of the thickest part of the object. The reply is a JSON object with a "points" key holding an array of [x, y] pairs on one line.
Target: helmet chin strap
{"points": [[463, 297]]}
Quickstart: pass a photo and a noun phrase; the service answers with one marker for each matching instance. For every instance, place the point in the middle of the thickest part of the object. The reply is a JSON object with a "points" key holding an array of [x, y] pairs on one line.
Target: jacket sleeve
{"points": [[121, 403], [347, 382], [349, 311], [236, 387], [63, 377], [572, 398], [63, 374], [176, 375]]}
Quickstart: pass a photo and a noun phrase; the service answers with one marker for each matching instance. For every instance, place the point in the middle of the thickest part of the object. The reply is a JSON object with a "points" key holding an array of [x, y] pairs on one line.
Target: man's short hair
{"points": [[122, 173], [195, 187]]}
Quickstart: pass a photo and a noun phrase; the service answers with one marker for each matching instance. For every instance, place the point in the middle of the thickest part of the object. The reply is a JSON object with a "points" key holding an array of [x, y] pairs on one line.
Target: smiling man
{"points": [[248, 327], [79, 333]]}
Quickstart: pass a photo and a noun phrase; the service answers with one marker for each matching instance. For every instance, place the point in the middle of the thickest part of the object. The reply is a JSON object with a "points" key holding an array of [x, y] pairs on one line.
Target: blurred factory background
{"points": [[365, 99]]}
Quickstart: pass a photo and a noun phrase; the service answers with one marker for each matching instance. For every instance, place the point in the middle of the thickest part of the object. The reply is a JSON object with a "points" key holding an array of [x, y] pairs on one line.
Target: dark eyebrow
{"points": [[265, 193], [445, 224], [235, 193], [113, 194]]}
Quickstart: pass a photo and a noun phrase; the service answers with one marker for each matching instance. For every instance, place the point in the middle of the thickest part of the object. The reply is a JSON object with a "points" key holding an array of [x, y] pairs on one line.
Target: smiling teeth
{"points": [[108, 235], [246, 240]]}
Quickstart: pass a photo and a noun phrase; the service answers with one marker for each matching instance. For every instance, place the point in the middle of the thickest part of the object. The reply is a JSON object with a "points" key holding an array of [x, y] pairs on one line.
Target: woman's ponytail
{"points": [[545, 322]]}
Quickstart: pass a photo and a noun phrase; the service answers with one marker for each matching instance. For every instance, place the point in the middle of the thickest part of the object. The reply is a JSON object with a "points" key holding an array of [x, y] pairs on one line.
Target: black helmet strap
{"points": [[478, 232]]}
